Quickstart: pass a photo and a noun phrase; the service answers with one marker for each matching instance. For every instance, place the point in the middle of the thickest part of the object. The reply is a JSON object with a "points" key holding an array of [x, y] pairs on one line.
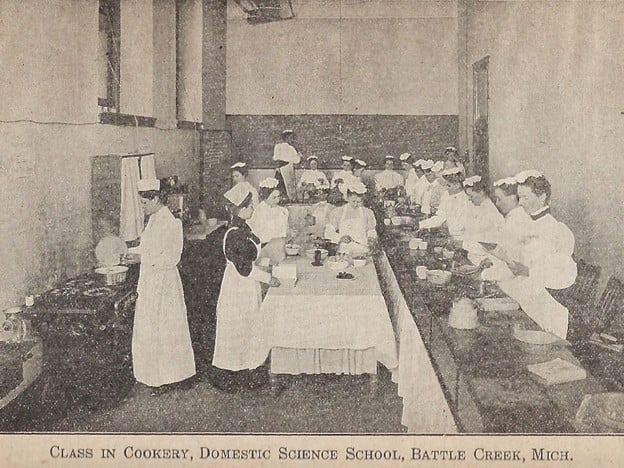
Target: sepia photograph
{"points": [[312, 221]]}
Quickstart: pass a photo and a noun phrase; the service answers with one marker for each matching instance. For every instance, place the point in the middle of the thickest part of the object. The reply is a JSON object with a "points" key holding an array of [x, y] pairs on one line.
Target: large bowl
{"points": [[292, 249], [438, 277], [359, 262], [311, 253], [113, 274]]}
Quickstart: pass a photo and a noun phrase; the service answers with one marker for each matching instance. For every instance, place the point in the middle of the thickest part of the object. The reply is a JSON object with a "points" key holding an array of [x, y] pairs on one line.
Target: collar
{"points": [[540, 213]]}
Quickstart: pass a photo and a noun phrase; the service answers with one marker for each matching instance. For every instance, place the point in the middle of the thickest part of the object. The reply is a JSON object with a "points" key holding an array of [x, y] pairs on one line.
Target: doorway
{"points": [[480, 138]]}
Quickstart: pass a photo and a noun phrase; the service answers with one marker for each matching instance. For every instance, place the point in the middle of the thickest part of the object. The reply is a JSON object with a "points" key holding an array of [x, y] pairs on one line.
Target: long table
{"points": [[483, 372]]}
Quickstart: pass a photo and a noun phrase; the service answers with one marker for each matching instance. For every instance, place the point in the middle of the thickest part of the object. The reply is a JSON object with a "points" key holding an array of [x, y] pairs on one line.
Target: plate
{"points": [[345, 276]]}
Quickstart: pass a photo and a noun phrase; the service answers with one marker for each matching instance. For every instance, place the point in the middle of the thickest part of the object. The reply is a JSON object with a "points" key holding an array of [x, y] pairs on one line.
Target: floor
{"points": [[305, 404]]}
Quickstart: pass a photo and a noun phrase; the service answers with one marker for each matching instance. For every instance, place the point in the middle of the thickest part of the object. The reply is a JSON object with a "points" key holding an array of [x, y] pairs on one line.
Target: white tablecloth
{"points": [[425, 409], [322, 312]]}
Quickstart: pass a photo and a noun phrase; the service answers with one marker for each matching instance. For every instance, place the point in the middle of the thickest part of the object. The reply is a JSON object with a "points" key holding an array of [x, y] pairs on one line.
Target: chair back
{"points": [[583, 291], [611, 303]]}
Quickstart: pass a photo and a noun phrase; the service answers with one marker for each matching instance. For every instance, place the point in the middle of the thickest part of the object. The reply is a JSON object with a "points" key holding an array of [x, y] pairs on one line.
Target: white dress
{"points": [[453, 212], [482, 222], [269, 222], [388, 179], [316, 177], [359, 223], [432, 196], [161, 342], [546, 249], [287, 153], [410, 182], [239, 342]]}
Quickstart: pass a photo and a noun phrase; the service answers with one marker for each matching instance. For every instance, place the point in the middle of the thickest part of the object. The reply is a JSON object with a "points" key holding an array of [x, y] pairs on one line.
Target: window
{"points": [[108, 56]]}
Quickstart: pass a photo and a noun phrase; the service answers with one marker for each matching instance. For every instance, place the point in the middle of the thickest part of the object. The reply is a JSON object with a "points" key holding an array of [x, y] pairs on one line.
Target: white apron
{"points": [[239, 342], [161, 343], [357, 229], [288, 174]]}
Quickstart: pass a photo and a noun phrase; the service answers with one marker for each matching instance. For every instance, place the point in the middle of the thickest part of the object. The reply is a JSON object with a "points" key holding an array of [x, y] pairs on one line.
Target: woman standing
{"points": [[239, 344], [239, 176], [162, 353]]}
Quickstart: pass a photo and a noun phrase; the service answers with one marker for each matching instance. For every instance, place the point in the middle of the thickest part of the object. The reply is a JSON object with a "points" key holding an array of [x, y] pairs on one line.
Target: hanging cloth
{"points": [[131, 214]]}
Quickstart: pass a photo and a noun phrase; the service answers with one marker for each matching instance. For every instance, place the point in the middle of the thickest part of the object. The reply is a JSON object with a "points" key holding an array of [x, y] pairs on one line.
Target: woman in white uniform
{"points": [[451, 159], [454, 206], [311, 179], [286, 156], [239, 344], [352, 225], [483, 219], [432, 195], [388, 178], [239, 176], [269, 221], [162, 353], [545, 258]]}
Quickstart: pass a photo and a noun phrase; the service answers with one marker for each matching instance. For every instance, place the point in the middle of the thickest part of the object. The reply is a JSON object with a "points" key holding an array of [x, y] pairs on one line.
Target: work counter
{"points": [[482, 372]]}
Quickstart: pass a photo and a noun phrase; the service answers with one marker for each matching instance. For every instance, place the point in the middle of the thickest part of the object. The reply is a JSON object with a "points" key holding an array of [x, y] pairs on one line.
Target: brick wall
{"points": [[368, 137], [215, 170]]}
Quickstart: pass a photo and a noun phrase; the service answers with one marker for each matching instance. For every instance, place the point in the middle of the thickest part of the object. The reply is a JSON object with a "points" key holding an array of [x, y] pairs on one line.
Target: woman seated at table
{"points": [[454, 206], [240, 351], [320, 211], [415, 190], [483, 220], [269, 222], [239, 176], [432, 195], [311, 179], [451, 159], [352, 225], [545, 259]]}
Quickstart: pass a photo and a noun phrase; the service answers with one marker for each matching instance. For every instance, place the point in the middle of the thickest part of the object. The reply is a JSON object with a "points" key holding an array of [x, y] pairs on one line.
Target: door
{"points": [[480, 140]]}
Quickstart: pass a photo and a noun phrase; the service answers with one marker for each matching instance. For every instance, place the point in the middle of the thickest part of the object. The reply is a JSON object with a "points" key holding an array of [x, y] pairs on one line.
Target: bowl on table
{"points": [[359, 261], [292, 249], [438, 277], [336, 264], [310, 253]]}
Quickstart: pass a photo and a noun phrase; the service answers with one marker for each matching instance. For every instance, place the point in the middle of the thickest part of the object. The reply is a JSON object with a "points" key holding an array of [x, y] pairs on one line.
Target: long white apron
{"points": [[161, 342], [357, 229], [288, 174], [239, 342]]}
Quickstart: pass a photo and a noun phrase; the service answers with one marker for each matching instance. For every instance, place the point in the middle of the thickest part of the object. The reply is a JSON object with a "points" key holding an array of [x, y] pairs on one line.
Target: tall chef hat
{"points": [[389, 158], [238, 165], [310, 158], [347, 158], [427, 164], [437, 166], [269, 182], [521, 177], [355, 186], [288, 131], [359, 162], [405, 156], [237, 194], [505, 181], [470, 181], [451, 170], [146, 185]]}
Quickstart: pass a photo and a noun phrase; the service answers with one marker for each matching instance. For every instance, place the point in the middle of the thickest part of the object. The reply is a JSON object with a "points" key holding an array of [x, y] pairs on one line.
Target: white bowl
{"points": [[310, 253], [422, 245], [359, 262], [292, 249], [337, 265], [396, 220]]}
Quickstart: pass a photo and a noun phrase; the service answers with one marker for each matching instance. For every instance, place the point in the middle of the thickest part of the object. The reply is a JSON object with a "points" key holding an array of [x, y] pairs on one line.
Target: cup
{"points": [[29, 301], [387, 221], [422, 245], [421, 272]]}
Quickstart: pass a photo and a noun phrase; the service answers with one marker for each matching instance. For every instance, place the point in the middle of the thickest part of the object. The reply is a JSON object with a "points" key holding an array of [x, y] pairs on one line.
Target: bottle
{"points": [[317, 257]]}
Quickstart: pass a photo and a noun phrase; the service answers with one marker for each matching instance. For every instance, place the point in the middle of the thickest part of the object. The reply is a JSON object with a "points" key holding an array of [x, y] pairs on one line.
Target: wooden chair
{"points": [[611, 304]]}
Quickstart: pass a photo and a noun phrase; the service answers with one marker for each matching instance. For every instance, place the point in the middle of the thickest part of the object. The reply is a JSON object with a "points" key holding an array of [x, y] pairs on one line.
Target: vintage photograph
{"points": [[312, 217]]}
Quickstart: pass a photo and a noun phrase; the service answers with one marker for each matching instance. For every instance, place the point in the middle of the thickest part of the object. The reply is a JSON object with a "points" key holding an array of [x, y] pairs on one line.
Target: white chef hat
{"points": [[470, 181], [145, 185], [427, 164], [505, 181], [521, 177], [355, 186], [269, 182], [287, 131], [450, 148], [418, 162], [389, 157], [361, 163], [437, 166], [347, 158], [238, 165], [310, 158], [405, 156], [237, 194], [451, 170]]}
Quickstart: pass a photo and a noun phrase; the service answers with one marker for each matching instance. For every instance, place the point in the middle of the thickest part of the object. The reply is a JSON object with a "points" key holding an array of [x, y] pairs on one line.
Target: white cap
{"points": [[389, 157], [427, 164], [238, 165], [451, 170], [361, 163], [145, 185], [269, 182], [355, 186], [287, 131], [347, 158], [505, 181], [470, 181], [237, 194], [418, 162], [310, 158], [521, 177], [437, 166], [450, 148], [405, 156]]}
